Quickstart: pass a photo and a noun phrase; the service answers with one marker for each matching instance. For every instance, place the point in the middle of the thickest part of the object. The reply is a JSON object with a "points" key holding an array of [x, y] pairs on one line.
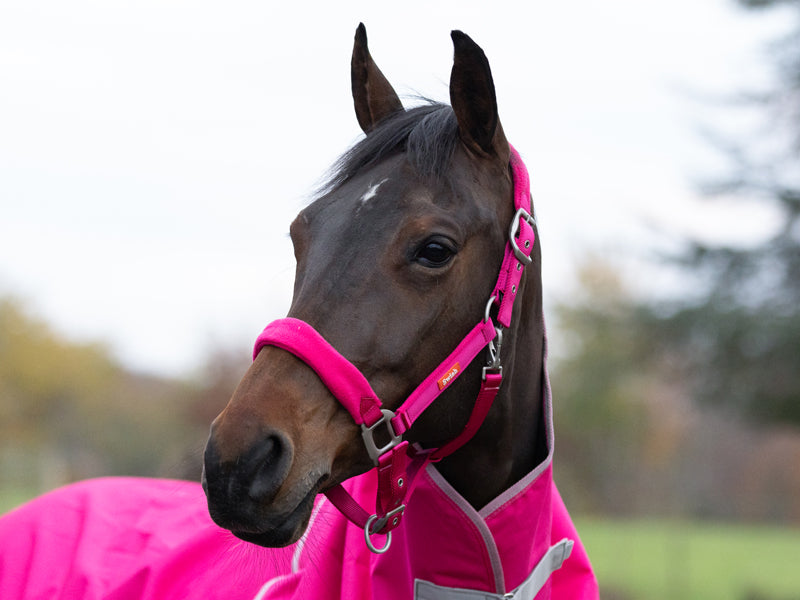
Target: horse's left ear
{"points": [[373, 95], [473, 99]]}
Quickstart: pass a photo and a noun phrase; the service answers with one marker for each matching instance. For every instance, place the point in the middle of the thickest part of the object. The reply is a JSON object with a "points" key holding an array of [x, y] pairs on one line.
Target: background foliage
{"points": [[69, 411], [705, 386]]}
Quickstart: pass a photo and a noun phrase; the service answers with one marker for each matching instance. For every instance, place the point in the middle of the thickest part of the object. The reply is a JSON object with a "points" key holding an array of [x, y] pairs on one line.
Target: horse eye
{"points": [[434, 254]]}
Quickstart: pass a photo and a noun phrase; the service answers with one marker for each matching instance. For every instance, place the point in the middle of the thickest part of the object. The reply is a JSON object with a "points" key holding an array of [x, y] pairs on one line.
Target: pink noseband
{"points": [[397, 461]]}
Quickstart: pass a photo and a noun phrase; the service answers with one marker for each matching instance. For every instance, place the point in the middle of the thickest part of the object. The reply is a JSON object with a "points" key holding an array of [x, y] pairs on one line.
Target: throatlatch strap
{"points": [[489, 388], [444, 375]]}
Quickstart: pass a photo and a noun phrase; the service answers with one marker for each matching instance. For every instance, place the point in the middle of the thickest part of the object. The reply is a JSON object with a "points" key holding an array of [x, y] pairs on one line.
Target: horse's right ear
{"points": [[373, 95]]}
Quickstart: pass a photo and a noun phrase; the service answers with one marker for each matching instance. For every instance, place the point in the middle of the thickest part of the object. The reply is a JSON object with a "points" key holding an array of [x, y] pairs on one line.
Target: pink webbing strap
{"points": [[341, 377], [444, 375], [519, 245], [347, 505], [522, 182], [489, 388]]}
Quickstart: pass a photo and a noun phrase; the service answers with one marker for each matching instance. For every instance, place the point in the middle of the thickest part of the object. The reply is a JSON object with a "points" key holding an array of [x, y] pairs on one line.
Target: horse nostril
{"points": [[267, 465]]}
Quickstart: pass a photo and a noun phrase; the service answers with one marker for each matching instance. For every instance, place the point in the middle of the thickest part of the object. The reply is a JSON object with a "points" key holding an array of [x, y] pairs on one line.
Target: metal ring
{"points": [[488, 308], [368, 540]]}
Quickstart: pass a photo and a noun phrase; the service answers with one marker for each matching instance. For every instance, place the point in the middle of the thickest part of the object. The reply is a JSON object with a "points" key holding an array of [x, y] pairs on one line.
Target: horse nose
{"points": [[255, 475], [266, 465]]}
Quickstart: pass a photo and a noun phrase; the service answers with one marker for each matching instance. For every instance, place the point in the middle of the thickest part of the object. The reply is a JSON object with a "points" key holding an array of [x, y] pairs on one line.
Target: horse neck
{"points": [[511, 441]]}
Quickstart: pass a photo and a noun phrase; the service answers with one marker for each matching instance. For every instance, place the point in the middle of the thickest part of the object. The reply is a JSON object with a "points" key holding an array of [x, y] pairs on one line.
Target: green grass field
{"points": [[680, 560], [13, 497]]}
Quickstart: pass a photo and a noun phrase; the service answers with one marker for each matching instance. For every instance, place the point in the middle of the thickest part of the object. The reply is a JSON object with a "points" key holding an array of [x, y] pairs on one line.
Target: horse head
{"points": [[396, 259]]}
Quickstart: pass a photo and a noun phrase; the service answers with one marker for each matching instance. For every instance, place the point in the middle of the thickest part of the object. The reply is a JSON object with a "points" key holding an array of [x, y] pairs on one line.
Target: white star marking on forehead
{"points": [[372, 191]]}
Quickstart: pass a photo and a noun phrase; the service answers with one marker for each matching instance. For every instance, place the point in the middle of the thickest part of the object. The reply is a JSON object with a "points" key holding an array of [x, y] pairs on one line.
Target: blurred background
{"points": [[153, 154]]}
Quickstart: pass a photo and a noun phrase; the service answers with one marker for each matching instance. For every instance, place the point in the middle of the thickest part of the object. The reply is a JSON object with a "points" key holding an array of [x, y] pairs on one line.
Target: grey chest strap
{"points": [[551, 561]]}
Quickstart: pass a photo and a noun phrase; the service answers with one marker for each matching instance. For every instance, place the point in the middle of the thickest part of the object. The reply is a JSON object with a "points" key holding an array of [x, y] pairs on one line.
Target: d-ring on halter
{"points": [[397, 462], [374, 523]]}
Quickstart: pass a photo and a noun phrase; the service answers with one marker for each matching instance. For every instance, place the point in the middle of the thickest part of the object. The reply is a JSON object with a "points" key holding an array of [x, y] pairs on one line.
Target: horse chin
{"points": [[278, 531], [278, 536], [269, 539]]}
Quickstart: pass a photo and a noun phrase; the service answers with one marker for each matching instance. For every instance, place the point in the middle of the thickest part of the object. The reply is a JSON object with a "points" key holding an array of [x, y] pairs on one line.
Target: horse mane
{"points": [[428, 135]]}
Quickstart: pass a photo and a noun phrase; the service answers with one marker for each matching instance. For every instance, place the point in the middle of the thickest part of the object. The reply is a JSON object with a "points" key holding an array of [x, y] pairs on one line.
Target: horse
{"points": [[397, 261], [409, 371]]}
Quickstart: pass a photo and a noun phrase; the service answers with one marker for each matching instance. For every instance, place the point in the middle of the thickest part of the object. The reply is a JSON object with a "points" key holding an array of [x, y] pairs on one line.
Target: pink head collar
{"points": [[397, 461]]}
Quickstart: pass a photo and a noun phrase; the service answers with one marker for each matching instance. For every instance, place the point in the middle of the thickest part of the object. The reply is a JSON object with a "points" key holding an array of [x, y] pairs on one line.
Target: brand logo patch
{"points": [[448, 377]]}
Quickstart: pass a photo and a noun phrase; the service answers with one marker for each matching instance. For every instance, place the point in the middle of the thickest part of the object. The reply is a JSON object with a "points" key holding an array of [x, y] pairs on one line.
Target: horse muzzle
{"points": [[273, 449], [245, 495]]}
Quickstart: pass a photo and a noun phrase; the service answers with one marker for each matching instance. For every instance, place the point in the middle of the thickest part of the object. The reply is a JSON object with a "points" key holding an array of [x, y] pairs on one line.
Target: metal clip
{"points": [[368, 432], [494, 353], [513, 230]]}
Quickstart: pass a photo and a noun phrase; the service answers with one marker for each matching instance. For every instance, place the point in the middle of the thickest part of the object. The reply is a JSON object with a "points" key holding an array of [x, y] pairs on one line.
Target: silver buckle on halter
{"points": [[368, 432], [513, 230]]}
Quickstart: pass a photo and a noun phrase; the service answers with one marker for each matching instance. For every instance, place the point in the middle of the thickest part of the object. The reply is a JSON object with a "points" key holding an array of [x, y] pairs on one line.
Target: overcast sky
{"points": [[153, 154]]}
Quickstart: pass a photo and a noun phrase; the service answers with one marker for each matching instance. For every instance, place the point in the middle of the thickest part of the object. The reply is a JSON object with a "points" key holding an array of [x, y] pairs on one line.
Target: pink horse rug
{"points": [[147, 539]]}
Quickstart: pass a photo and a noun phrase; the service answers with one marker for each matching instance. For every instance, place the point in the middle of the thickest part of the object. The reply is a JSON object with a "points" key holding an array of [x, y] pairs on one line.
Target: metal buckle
{"points": [[374, 524], [498, 370], [368, 431], [513, 230]]}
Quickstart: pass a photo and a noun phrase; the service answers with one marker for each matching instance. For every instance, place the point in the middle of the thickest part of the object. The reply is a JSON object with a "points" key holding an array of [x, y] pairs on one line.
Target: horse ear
{"points": [[473, 99], [373, 95]]}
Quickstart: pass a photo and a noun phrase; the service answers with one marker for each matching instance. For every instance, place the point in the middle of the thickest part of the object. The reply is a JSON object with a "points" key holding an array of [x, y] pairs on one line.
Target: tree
{"points": [[617, 411], [740, 339], [69, 410]]}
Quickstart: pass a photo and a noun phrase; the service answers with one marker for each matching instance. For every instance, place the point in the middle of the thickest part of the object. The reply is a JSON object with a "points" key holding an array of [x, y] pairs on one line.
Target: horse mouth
{"points": [[276, 532]]}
